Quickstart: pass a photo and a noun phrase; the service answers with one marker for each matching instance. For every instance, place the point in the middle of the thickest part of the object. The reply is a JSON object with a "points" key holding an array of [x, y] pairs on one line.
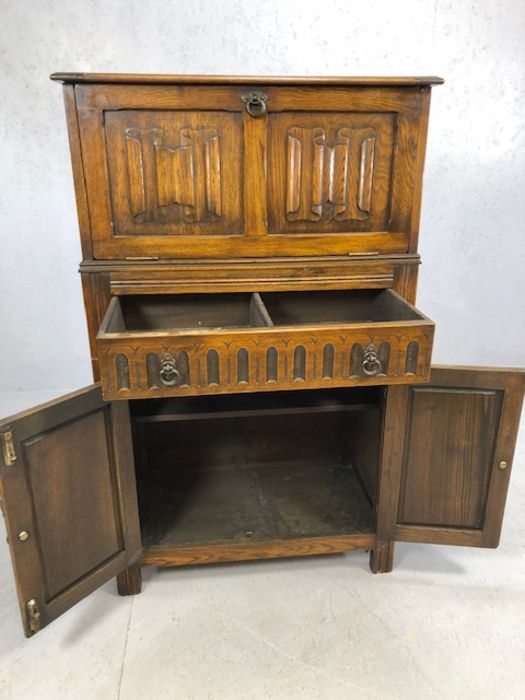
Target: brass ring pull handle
{"points": [[371, 363], [169, 374], [255, 103]]}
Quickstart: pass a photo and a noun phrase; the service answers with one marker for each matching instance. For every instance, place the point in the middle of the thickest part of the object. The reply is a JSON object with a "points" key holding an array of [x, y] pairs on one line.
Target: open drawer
{"points": [[187, 344]]}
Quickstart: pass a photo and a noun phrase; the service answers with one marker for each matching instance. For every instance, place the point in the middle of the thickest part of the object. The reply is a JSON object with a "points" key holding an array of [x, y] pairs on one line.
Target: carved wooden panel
{"points": [[260, 360], [174, 172], [330, 172]]}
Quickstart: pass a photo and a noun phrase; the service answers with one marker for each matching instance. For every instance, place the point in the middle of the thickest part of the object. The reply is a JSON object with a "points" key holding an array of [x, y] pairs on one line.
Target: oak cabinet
{"points": [[264, 380]]}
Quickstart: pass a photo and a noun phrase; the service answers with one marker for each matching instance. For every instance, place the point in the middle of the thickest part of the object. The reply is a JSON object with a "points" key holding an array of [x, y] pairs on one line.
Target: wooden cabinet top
{"points": [[144, 78]]}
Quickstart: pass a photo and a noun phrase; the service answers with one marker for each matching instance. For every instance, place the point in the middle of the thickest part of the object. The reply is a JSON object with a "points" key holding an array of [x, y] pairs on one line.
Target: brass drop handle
{"points": [[169, 374], [255, 103], [371, 363]]}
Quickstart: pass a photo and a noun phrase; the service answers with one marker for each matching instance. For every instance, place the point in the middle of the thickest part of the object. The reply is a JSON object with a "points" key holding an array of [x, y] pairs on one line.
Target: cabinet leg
{"points": [[382, 557], [129, 581]]}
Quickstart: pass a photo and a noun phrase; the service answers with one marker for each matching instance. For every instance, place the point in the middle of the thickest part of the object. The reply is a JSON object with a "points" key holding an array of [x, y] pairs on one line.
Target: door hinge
{"points": [[33, 615], [8, 448], [142, 257]]}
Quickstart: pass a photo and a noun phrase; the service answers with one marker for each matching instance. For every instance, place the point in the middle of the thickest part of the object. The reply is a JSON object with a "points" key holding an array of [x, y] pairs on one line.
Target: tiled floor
{"points": [[447, 623]]}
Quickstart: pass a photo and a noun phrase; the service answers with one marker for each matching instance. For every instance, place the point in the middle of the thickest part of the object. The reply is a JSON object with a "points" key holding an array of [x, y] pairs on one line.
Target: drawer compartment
{"points": [[189, 344]]}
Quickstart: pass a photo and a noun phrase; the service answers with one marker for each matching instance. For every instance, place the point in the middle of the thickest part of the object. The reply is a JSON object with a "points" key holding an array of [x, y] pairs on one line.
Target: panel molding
{"points": [[449, 447]]}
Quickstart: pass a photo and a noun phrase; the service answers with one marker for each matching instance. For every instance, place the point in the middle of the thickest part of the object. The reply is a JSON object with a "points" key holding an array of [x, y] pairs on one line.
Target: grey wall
{"points": [[472, 281]]}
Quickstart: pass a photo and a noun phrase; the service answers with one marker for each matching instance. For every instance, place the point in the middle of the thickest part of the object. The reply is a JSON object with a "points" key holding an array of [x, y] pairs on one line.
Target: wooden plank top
{"points": [[152, 79]]}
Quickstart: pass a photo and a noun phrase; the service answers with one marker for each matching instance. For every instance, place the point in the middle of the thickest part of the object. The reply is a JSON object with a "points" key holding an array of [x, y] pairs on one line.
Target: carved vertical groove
{"points": [[321, 177], [122, 367], [356, 360], [213, 177], [243, 369], [383, 355], [153, 370], [137, 190], [272, 359], [213, 367], [328, 361], [294, 174], [299, 363], [364, 199], [182, 363], [412, 357]]}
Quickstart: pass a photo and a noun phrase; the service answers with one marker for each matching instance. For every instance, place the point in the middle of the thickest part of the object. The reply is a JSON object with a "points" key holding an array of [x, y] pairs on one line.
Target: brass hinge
{"points": [[33, 615], [142, 257], [8, 448]]}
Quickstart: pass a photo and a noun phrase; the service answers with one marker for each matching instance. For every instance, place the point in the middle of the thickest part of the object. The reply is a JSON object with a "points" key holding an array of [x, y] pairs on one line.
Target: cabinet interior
{"points": [[178, 311], [138, 313], [257, 467], [348, 306]]}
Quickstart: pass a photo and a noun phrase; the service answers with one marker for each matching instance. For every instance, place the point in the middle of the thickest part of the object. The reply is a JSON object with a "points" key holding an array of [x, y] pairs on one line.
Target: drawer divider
{"points": [[258, 310]]}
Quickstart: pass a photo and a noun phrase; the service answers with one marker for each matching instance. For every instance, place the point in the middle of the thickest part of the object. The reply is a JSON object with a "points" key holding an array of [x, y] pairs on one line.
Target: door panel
{"points": [[336, 172], [174, 173], [70, 501], [447, 456], [193, 172], [451, 439]]}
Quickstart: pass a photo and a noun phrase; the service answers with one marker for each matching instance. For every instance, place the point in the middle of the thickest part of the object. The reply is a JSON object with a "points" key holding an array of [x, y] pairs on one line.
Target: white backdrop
{"points": [[472, 281]]}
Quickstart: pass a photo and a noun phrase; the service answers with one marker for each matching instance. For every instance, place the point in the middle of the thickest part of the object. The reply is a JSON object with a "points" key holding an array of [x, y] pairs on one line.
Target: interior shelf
{"points": [[261, 403]]}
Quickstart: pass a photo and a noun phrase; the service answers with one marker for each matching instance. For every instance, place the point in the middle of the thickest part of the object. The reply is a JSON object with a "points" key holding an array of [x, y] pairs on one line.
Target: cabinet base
{"points": [[129, 581], [382, 557], [217, 553]]}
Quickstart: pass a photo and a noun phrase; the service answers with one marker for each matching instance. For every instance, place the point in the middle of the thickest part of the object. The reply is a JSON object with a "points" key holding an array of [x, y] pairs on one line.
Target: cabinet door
{"points": [[193, 172], [68, 492], [163, 169], [447, 455]]}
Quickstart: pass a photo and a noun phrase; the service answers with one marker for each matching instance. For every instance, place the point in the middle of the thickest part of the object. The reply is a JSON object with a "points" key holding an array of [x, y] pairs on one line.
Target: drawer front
{"points": [[229, 343], [264, 361], [241, 171]]}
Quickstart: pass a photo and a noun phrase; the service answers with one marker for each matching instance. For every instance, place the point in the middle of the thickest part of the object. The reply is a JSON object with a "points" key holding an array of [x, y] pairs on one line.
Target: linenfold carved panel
{"points": [[187, 174], [330, 172], [174, 172], [329, 181]]}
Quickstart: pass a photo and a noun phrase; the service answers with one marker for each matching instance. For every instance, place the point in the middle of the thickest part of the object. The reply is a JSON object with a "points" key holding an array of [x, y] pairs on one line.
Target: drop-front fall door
{"points": [[190, 171]]}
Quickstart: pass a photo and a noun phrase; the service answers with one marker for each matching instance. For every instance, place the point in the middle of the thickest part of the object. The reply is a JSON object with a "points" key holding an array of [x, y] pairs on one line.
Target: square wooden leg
{"points": [[129, 581], [382, 557]]}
